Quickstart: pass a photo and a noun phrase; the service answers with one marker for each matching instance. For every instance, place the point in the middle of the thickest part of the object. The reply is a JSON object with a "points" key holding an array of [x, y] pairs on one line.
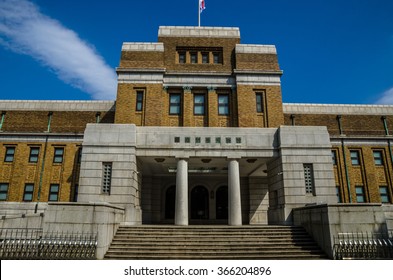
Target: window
{"points": [[338, 194], [34, 152], [223, 104], [309, 178], [9, 154], [182, 57], [218, 140], [217, 58], [205, 57], [194, 57], [3, 191], [334, 157], [106, 177], [228, 140], [139, 100], [383, 190], [359, 194], [378, 159], [355, 158], [207, 140], [197, 140], [54, 192], [76, 189], [199, 104], [174, 104], [28, 193], [58, 156], [259, 102]]}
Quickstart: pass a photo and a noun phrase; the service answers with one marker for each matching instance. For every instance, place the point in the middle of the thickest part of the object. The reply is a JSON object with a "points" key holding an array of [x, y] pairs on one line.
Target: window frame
{"points": [[194, 57], [182, 57], [360, 194], [378, 161], [58, 158], [9, 156], [384, 195], [54, 190], [259, 102], [139, 100], [175, 104], [106, 184], [28, 192], [355, 160], [309, 180], [217, 58], [223, 105], [334, 157], [4, 187], [34, 157], [205, 57], [201, 105]]}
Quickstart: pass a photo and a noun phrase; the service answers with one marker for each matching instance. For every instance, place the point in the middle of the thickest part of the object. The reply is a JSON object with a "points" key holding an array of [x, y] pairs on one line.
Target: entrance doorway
{"points": [[222, 203], [199, 203], [170, 196]]}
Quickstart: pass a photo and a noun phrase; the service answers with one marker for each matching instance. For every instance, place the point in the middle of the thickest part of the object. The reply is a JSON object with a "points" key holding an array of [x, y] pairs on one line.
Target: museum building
{"points": [[198, 134]]}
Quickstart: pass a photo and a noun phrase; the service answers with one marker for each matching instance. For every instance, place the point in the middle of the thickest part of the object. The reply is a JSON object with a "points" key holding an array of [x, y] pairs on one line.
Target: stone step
{"points": [[213, 242]]}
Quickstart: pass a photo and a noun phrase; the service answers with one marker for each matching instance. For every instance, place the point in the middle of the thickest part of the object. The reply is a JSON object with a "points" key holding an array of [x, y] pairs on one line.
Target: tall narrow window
{"points": [[334, 157], [54, 192], [223, 104], [360, 194], [139, 100], [217, 58], [339, 200], [383, 190], [3, 191], [205, 57], [355, 157], [378, 159], [106, 177], [58, 156], [34, 152], [174, 104], [194, 57], [309, 178], [28, 193], [9, 154], [182, 57], [259, 102], [199, 104]]}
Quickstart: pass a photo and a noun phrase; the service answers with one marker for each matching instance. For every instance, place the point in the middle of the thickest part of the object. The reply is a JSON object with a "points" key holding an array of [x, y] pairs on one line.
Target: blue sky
{"points": [[331, 51]]}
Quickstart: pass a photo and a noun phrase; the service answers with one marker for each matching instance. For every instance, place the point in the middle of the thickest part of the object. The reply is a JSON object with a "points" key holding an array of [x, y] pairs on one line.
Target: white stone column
{"points": [[181, 204], [234, 200]]}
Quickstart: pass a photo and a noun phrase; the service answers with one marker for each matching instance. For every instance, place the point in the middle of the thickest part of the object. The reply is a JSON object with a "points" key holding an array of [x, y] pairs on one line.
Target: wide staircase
{"points": [[213, 242]]}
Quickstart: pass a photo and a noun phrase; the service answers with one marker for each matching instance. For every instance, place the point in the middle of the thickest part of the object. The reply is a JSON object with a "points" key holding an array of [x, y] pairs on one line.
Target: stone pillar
{"points": [[234, 200], [181, 204]]}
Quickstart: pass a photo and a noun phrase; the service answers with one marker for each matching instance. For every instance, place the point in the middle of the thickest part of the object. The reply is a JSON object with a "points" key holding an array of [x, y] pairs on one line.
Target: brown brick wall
{"points": [[61, 122], [263, 62], [140, 59], [356, 125], [21, 171], [367, 174], [170, 54]]}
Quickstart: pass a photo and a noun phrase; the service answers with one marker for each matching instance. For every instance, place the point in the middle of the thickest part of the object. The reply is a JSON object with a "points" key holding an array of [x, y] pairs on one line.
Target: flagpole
{"points": [[199, 13]]}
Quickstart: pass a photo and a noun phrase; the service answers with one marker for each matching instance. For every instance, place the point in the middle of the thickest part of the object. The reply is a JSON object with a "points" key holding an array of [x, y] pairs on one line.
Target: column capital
{"points": [[187, 89], [182, 157], [209, 89], [233, 158]]}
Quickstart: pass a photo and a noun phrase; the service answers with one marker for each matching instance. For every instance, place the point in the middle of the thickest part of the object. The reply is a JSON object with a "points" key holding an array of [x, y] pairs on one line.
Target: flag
{"points": [[201, 5]]}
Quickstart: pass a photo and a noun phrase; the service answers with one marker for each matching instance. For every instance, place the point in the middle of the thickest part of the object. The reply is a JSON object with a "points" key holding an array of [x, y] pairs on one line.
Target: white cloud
{"points": [[386, 97], [24, 29]]}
